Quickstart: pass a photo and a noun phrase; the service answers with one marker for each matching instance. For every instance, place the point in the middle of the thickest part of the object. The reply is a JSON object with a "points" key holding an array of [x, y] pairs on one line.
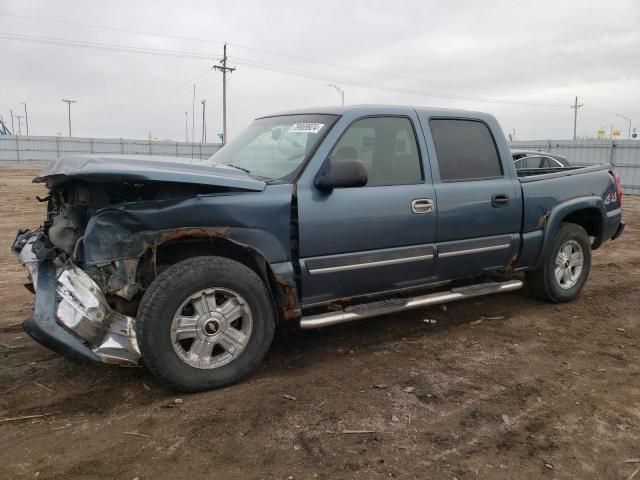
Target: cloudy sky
{"points": [[133, 65]]}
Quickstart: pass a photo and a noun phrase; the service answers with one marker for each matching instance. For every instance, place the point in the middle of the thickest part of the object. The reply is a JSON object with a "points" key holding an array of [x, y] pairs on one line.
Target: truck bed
{"points": [[535, 174], [542, 191]]}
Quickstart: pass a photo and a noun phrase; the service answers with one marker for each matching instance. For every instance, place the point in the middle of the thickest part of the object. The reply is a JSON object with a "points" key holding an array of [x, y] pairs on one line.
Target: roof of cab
{"points": [[381, 109]]}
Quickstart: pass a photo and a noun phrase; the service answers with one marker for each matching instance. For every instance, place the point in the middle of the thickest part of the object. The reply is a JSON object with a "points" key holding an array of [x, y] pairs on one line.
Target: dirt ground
{"points": [[504, 387]]}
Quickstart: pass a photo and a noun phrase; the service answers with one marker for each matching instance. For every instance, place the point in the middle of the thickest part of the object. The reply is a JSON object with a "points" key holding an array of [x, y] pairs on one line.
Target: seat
{"points": [[345, 153]]}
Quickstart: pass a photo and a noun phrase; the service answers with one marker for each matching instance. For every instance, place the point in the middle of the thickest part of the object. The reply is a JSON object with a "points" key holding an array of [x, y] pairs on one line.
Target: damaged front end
{"points": [[72, 315], [114, 224], [86, 310]]}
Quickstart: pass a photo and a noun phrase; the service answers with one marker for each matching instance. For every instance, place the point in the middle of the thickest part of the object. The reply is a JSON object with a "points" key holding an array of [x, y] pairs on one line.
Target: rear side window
{"points": [[465, 150]]}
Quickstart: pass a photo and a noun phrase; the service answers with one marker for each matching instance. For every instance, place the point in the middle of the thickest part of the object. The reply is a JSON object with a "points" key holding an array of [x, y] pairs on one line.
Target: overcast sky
{"points": [[523, 61]]}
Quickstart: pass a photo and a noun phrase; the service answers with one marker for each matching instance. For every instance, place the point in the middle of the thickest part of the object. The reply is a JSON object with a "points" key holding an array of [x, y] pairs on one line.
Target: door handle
{"points": [[500, 200], [422, 205]]}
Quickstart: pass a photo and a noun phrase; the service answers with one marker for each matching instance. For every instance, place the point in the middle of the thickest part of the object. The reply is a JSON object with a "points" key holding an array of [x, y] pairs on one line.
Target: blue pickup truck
{"points": [[315, 217]]}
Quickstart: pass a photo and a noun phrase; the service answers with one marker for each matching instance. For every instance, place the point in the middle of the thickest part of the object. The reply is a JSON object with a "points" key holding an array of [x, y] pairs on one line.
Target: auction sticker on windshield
{"points": [[305, 128]]}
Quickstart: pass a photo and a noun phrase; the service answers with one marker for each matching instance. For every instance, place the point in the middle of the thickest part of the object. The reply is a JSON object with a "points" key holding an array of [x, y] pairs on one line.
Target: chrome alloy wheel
{"points": [[569, 263], [211, 328]]}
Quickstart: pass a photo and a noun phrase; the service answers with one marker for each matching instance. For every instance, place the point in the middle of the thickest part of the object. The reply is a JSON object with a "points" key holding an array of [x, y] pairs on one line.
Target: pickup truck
{"points": [[315, 217]]}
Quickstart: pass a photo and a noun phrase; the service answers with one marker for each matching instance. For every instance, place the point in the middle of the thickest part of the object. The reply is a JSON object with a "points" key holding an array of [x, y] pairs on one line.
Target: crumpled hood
{"points": [[147, 168]]}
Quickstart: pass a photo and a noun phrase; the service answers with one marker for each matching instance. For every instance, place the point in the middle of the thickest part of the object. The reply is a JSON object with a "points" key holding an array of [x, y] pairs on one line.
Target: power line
{"points": [[260, 50], [265, 66], [166, 95], [115, 29], [376, 86], [104, 46], [162, 101]]}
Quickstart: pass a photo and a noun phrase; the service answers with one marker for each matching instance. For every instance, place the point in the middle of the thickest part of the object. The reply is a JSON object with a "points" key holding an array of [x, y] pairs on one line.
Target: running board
{"points": [[393, 305]]}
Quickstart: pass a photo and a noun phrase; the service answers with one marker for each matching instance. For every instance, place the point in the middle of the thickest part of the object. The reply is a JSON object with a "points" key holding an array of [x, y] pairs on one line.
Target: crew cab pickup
{"points": [[315, 217]]}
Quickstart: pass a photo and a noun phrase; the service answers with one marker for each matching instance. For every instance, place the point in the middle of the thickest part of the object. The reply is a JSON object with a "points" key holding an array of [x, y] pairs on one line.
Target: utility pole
{"points": [[193, 115], [69, 102], [186, 126], [224, 69], [628, 120], [204, 124], [13, 129], [19, 117], [339, 90], [26, 117], [575, 107]]}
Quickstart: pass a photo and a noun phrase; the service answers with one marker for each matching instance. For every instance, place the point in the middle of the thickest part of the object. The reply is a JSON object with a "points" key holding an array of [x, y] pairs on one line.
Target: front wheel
{"points": [[205, 323], [565, 271]]}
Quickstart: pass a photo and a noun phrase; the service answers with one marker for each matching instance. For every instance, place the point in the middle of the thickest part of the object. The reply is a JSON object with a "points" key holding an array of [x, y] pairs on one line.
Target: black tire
{"points": [[543, 282], [168, 292]]}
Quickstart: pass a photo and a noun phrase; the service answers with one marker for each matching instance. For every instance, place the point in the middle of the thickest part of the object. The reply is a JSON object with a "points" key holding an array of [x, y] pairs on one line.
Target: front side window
{"points": [[386, 145], [465, 150], [275, 147]]}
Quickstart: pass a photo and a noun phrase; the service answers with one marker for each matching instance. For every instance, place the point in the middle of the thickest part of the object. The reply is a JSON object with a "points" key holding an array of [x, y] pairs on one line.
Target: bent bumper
{"points": [[42, 325], [72, 317]]}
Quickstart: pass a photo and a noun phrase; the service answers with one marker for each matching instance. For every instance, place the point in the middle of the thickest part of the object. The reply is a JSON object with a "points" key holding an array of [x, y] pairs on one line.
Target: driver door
{"points": [[371, 239]]}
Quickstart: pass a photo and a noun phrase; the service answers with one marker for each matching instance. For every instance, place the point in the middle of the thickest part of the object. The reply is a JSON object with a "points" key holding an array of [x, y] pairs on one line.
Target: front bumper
{"points": [[71, 314]]}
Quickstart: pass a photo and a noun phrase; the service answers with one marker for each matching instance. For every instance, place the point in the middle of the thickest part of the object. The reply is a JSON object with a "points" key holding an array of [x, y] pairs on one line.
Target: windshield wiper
{"points": [[246, 170]]}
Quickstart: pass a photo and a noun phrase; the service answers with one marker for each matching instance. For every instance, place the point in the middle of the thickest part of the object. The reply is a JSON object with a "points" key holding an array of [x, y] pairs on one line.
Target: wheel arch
{"points": [[588, 212], [278, 277]]}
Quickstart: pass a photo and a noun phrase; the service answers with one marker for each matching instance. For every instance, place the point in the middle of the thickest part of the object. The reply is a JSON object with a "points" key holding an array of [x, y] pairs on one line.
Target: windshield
{"points": [[275, 147]]}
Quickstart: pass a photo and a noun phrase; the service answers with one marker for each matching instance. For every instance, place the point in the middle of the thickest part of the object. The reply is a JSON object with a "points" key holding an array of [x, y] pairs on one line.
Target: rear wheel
{"points": [[565, 271], [204, 323]]}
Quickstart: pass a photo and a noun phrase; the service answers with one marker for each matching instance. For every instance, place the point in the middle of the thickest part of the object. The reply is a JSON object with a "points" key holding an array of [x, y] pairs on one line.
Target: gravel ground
{"points": [[503, 387]]}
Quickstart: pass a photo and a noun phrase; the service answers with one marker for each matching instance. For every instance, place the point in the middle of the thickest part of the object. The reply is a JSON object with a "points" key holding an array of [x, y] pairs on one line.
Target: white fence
{"points": [[623, 154], [43, 149]]}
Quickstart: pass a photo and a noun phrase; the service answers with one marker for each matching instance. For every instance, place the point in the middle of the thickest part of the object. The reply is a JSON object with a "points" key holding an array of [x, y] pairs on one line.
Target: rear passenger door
{"points": [[478, 201]]}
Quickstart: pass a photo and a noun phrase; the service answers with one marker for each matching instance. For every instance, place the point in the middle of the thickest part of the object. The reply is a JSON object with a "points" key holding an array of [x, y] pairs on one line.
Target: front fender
{"points": [[259, 220], [107, 239]]}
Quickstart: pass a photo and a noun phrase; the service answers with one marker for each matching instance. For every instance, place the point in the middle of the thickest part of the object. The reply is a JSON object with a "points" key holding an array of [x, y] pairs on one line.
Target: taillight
{"points": [[616, 178]]}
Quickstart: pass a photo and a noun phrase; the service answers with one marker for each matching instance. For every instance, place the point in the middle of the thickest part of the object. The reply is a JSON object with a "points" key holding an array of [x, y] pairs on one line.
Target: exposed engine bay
{"points": [[70, 207]]}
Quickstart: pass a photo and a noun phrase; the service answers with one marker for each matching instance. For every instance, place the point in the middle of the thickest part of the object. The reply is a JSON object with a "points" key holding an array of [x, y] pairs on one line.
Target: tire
{"points": [[190, 338], [544, 282]]}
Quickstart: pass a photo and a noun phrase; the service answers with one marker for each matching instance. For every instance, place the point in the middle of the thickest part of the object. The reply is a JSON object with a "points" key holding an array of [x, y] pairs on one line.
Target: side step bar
{"points": [[373, 309]]}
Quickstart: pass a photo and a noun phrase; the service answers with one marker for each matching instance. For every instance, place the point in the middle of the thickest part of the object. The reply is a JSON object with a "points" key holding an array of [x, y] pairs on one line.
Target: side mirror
{"points": [[341, 174]]}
